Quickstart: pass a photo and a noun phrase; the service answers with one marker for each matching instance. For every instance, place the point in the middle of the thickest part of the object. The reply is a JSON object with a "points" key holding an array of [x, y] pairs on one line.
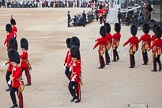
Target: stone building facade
{"points": [[157, 9]]}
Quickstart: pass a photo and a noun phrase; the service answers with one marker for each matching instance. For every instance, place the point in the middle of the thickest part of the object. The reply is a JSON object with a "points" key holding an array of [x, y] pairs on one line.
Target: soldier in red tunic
{"points": [[74, 41], [14, 28], [153, 38], [12, 44], [157, 44], [146, 42], [108, 43], [16, 78], [102, 46], [67, 60], [9, 34], [116, 39], [100, 14], [24, 60], [74, 84], [133, 45]]}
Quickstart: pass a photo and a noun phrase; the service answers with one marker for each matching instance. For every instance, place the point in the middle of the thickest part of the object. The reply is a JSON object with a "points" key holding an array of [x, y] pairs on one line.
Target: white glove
{"points": [[70, 68], [74, 78], [64, 67], [9, 82], [4, 64]]}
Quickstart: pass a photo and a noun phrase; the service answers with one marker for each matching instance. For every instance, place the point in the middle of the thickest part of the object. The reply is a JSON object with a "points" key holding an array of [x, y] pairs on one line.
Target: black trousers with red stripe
{"points": [[26, 69], [75, 90], [13, 96]]}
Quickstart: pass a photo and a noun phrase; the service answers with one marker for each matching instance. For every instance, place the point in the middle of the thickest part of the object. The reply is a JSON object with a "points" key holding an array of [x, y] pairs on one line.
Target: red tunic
{"points": [[76, 71], [24, 58], [67, 59], [100, 12], [133, 43], [102, 45], [116, 39], [8, 36], [16, 74], [153, 38], [10, 66], [100, 41], [14, 31], [158, 45], [146, 41], [108, 40]]}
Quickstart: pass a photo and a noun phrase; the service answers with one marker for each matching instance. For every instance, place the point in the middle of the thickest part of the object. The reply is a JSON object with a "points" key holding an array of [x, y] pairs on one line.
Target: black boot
{"points": [[101, 67], [8, 89], [131, 66], [14, 106], [28, 84], [77, 101], [72, 100], [154, 70]]}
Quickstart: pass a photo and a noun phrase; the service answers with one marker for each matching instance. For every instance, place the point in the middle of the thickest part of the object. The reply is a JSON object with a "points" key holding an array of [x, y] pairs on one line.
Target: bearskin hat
{"points": [[103, 31], [133, 30], [158, 32], [146, 28], [154, 28], [117, 27], [12, 43], [12, 21], [75, 41], [108, 27], [13, 56], [24, 43], [100, 7], [68, 42], [75, 53], [8, 28]]}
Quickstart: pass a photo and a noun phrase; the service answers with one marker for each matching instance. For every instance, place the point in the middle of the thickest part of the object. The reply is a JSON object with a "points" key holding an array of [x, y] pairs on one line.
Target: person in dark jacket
{"points": [[119, 15], [69, 18], [84, 18]]}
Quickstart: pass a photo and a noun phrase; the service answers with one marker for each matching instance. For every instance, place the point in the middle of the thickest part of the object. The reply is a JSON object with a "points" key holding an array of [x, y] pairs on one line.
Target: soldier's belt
{"points": [[132, 49], [108, 45], [102, 49], [158, 51], [145, 46]]}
